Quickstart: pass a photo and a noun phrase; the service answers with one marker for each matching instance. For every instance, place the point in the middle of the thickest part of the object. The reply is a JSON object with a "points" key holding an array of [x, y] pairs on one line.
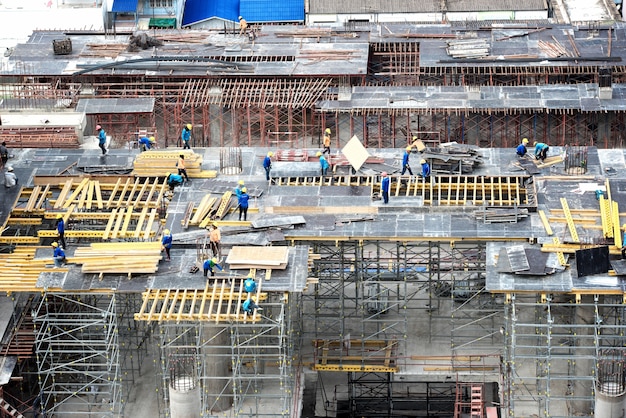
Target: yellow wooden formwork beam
{"points": [[570, 222], [559, 254], [67, 188], [546, 224], [605, 215], [114, 191], [75, 193]]}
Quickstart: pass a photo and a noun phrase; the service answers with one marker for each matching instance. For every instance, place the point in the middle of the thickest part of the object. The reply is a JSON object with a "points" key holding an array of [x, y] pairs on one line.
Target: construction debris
{"points": [[141, 40], [40, 137]]}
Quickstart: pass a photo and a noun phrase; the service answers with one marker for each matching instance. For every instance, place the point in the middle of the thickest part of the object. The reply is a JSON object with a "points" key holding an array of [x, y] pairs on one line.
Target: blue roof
{"points": [[272, 10], [124, 6], [199, 10]]}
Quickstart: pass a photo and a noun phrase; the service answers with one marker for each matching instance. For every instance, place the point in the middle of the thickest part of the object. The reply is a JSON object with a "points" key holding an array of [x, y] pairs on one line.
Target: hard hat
{"points": [[98, 127], [414, 138], [9, 168], [244, 190], [535, 143], [525, 141], [327, 130], [319, 154], [384, 174], [167, 174], [59, 216], [240, 18], [152, 139], [182, 156], [270, 154], [214, 224], [423, 161], [409, 148], [166, 232], [189, 126], [241, 182], [214, 260], [54, 244]]}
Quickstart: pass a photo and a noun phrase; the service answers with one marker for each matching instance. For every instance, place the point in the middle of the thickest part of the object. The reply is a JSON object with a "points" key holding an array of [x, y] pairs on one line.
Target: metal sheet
{"points": [[517, 258]]}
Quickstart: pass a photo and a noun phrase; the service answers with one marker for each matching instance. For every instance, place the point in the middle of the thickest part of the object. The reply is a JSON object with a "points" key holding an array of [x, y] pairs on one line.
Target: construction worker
{"points": [[249, 285], [102, 139], [58, 255], [323, 163], [238, 188], [208, 267], [173, 180], [405, 161], [249, 305], [267, 164], [4, 154], [326, 142], [521, 148], [624, 242], [425, 168], [243, 203], [166, 243], [186, 136], [384, 187], [243, 26], [61, 230], [541, 150], [215, 236], [146, 143], [182, 171], [10, 179]]}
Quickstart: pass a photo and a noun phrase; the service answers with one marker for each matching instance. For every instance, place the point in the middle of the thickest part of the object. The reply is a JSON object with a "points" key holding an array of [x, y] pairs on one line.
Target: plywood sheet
{"points": [[258, 257], [355, 153]]}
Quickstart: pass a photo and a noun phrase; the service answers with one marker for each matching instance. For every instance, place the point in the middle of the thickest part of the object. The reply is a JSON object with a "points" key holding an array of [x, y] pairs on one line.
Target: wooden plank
{"points": [[148, 229], [43, 197], [99, 201], [32, 199], [114, 192], [142, 218], [118, 223], [67, 187], [107, 230], [76, 192], [127, 219]]}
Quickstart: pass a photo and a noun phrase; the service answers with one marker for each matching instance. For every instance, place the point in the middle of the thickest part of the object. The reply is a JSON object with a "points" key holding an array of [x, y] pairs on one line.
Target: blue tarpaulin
{"points": [[124, 6], [254, 11]]}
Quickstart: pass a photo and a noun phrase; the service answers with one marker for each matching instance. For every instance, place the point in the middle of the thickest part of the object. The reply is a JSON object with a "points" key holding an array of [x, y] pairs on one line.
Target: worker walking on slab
{"points": [[239, 188], [182, 171], [10, 179], [58, 255], [208, 267], [166, 243], [326, 141], [521, 148], [173, 180], [405, 161], [215, 236], [384, 187], [4, 154], [323, 163], [186, 136], [541, 150], [624, 242], [267, 164], [243, 26], [425, 169], [146, 143], [102, 139], [243, 203], [61, 230]]}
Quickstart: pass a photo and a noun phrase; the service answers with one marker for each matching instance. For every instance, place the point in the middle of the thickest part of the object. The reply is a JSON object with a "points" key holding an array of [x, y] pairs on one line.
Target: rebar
{"points": [[230, 161]]}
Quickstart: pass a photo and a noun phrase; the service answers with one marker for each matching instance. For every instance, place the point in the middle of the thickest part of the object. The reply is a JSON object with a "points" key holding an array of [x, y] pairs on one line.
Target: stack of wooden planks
{"points": [[40, 137], [160, 162], [103, 50], [118, 257], [468, 48], [258, 258], [210, 208], [19, 271]]}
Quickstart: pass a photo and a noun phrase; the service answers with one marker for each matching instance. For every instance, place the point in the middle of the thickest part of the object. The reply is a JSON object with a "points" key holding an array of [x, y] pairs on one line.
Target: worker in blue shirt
{"points": [[405, 161], [425, 169], [61, 230], [186, 136], [267, 165], [384, 187], [243, 203], [146, 143], [208, 267], [249, 306], [166, 243], [249, 285], [541, 150], [238, 188], [323, 163], [58, 255], [102, 139], [521, 148], [173, 180]]}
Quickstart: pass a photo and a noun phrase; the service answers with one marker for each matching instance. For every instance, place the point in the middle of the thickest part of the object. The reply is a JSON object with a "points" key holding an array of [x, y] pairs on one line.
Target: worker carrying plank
{"points": [[541, 150]]}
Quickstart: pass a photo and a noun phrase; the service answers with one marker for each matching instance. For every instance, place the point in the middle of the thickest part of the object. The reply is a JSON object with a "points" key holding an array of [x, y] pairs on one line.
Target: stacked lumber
{"points": [[118, 257], [210, 208], [158, 162], [335, 54], [495, 215], [553, 49], [195, 37], [468, 48], [102, 50], [40, 137], [258, 258], [19, 271]]}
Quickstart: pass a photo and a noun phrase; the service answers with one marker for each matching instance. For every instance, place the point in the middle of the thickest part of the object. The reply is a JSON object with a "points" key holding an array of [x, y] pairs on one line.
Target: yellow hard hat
{"points": [[189, 126], [152, 139], [319, 154], [166, 232], [423, 161], [414, 138], [214, 260], [535, 143], [327, 130], [167, 174], [409, 148], [244, 190], [270, 154], [54, 244], [241, 182], [59, 216], [525, 141]]}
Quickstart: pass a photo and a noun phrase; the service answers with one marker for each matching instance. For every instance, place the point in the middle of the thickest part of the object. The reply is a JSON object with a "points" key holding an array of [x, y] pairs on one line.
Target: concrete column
{"points": [[608, 404], [217, 360], [185, 398]]}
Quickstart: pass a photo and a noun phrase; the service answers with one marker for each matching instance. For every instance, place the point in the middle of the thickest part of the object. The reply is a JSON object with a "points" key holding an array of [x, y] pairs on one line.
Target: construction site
{"points": [[494, 287]]}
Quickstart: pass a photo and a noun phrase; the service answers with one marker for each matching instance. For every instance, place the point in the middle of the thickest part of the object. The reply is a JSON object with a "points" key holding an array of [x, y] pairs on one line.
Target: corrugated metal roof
{"points": [[124, 6], [490, 5], [199, 10], [374, 6], [272, 11]]}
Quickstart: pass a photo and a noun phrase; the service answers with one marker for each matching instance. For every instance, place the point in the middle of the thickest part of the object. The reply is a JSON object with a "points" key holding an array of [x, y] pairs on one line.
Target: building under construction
{"points": [[493, 287]]}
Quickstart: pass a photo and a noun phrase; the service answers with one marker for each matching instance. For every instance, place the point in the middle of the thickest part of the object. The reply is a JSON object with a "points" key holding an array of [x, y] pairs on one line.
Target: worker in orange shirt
{"points": [[182, 171], [215, 236], [326, 142]]}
